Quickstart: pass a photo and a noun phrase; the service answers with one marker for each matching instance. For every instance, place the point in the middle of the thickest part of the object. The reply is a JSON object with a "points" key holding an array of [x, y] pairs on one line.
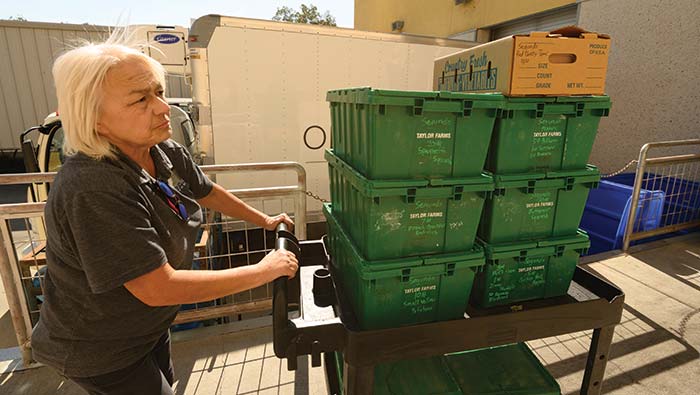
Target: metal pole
{"points": [[26, 178], [674, 143], [253, 167], [300, 202], [300, 209], [598, 355], [15, 300], [664, 230], [641, 166]]}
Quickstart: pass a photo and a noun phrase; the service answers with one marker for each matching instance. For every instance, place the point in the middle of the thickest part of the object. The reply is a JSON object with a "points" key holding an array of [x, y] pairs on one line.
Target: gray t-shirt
{"points": [[107, 224]]}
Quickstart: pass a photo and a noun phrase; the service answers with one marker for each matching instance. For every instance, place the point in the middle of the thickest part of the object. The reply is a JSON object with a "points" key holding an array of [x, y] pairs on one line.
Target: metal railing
{"points": [[666, 194], [224, 243]]}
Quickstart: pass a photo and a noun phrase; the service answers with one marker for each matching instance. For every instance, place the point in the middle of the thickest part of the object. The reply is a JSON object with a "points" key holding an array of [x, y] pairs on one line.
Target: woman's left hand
{"points": [[272, 222]]}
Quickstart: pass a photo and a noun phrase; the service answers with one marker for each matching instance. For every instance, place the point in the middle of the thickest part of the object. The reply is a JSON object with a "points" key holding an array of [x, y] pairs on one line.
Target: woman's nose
{"points": [[161, 106]]}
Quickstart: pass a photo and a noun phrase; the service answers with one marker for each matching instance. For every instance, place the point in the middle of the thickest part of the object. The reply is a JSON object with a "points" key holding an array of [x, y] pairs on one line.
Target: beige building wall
{"points": [[653, 74], [443, 18]]}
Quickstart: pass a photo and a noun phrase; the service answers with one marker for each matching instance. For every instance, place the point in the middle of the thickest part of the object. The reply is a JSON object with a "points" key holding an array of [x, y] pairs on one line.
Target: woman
{"points": [[120, 234]]}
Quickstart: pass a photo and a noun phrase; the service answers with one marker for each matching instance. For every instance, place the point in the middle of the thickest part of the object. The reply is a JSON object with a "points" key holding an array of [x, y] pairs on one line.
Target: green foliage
{"points": [[308, 14]]}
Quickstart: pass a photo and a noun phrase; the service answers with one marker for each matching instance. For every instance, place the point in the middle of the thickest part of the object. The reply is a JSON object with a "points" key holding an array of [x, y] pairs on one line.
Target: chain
{"points": [[627, 166], [314, 196]]}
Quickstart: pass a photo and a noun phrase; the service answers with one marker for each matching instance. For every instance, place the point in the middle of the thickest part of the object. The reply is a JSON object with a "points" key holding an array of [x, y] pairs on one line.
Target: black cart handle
{"points": [[288, 242]]}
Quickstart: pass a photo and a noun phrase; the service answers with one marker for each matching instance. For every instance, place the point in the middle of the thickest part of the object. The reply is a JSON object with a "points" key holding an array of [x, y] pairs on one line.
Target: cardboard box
{"points": [[564, 62]]}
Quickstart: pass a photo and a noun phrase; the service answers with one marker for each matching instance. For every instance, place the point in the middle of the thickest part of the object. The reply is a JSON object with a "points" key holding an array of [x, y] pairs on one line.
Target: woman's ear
{"points": [[99, 128]]}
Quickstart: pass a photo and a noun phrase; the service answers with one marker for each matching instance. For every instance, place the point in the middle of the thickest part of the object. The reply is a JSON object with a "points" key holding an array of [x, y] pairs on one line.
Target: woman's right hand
{"points": [[281, 262]]}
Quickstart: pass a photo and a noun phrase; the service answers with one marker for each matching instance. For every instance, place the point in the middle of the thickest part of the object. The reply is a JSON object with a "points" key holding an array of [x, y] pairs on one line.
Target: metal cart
{"points": [[326, 324]]}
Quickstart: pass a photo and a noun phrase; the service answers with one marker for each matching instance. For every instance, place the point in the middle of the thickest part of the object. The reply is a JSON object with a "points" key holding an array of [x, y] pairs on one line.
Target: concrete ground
{"points": [[655, 349], [206, 362]]}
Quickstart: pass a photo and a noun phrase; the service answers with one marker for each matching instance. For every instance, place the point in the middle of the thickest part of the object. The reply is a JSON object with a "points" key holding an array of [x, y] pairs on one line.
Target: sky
{"points": [[161, 12]]}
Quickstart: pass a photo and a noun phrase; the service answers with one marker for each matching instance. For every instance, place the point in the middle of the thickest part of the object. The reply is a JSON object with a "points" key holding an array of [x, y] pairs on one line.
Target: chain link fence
{"points": [[666, 194]]}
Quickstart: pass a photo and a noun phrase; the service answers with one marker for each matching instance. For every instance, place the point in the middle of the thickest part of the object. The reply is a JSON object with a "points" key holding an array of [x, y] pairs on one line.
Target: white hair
{"points": [[79, 75]]}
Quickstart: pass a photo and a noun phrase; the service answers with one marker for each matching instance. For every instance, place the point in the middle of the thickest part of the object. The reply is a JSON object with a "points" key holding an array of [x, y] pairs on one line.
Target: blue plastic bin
{"points": [[682, 196], [607, 210]]}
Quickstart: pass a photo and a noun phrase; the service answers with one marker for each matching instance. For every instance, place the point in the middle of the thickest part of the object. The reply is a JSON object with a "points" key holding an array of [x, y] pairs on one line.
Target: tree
{"points": [[308, 14], [18, 18]]}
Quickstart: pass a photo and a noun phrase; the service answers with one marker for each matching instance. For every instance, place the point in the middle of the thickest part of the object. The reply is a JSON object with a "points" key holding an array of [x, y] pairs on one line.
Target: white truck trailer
{"points": [[259, 89]]}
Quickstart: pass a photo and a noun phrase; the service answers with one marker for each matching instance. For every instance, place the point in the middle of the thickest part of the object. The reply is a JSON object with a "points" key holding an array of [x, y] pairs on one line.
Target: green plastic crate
{"points": [[395, 292], [536, 206], [517, 272], [391, 219], [504, 370], [546, 133], [419, 376], [388, 134]]}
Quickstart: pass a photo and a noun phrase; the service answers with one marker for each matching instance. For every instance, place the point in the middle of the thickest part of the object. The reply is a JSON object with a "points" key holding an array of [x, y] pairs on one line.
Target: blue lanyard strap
{"points": [[172, 199]]}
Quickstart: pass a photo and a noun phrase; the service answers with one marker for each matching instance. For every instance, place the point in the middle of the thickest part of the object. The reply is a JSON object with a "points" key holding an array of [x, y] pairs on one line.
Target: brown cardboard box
{"points": [[567, 61]]}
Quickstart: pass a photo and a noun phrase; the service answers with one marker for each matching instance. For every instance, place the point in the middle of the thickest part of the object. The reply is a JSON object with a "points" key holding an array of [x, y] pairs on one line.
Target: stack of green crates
{"points": [[397, 218], [504, 370], [408, 189], [402, 291], [529, 227], [398, 135]]}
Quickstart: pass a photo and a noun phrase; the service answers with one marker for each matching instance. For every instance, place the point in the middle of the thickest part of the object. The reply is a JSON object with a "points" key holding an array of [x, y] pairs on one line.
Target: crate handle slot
{"points": [[457, 193], [570, 183], [410, 196], [506, 114], [467, 108], [405, 275], [531, 185], [539, 112], [418, 107], [560, 250]]}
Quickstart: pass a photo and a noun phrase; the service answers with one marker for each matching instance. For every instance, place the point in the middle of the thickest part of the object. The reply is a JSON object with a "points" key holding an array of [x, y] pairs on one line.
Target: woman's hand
{"points": [[272, 222], [281, 262]]}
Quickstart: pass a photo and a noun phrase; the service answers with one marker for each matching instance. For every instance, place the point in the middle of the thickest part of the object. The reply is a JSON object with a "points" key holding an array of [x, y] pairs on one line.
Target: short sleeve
{"points": [[184, 165], [113, 237]]}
